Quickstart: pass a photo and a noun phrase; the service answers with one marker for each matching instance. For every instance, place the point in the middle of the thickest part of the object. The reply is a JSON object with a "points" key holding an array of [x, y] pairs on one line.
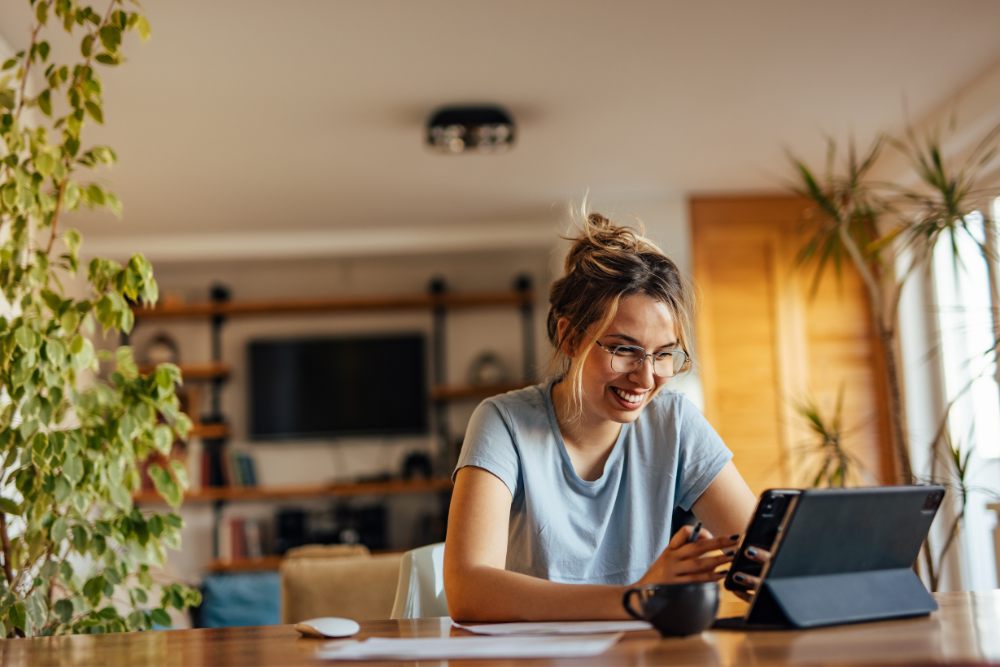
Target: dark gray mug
{"points": [[675, 610]]}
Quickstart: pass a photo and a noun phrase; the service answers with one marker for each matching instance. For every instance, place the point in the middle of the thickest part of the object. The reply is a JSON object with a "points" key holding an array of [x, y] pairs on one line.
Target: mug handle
{"points": [[627, 602]]}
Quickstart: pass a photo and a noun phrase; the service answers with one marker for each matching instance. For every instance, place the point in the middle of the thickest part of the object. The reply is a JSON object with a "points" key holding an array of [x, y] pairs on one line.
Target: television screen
{"points": [[323, 387]]}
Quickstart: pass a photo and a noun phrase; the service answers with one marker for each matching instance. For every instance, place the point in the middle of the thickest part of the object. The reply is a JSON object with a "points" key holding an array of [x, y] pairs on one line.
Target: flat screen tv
{"points": [[330, 387]]}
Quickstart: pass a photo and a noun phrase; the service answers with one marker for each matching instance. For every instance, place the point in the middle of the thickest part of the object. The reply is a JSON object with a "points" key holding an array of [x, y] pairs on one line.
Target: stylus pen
{"points": [[694, 533]]}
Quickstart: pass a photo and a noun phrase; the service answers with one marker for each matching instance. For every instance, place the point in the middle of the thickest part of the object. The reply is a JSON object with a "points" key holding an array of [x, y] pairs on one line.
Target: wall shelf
{"points": [[263, 493], [209, 431], [206, 371], [355, 304], [214, 431]]}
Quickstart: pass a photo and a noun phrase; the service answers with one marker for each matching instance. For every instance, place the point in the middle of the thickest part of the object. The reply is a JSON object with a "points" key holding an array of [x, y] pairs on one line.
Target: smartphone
{"points": [[761, 533]]}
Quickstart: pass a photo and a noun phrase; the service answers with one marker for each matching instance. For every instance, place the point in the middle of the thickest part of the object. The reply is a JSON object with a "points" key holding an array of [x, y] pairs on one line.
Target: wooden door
{"points": [[767, 343]]}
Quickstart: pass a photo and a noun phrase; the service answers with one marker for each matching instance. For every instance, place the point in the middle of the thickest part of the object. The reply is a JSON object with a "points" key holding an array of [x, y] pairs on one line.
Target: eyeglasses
{"points": [[628, 358]]}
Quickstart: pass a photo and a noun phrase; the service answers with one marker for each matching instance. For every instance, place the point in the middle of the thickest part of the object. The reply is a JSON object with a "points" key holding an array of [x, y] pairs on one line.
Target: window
{"points": [[965, 322]]}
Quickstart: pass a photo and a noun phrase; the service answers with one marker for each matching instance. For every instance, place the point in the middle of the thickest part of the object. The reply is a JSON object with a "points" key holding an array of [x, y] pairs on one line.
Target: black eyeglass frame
{"points": [[675, 368]]}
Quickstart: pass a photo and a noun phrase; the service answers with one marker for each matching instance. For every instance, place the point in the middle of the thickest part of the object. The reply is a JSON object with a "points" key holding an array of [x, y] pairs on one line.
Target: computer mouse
{"points": [[328, 627]]}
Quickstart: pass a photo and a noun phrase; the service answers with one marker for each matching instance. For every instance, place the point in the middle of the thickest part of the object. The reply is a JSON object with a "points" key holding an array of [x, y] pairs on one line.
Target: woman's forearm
{"points": [[483, 593]]}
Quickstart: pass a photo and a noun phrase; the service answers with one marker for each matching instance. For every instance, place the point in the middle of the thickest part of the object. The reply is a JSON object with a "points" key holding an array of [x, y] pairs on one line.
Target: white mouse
{"points": [[328, 627]]}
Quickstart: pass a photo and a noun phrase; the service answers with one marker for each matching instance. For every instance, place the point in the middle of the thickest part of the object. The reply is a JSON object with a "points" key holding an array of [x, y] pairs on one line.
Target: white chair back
{"points": [[420, 591]]}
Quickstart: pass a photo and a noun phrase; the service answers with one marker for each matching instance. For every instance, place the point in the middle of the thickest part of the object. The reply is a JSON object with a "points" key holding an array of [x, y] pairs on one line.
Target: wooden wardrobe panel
{"points": [[766, 342]]}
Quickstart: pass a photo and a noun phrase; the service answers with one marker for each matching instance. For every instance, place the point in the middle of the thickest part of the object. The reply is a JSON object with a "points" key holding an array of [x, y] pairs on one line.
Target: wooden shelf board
{"points": [[205, 371], [209, 431], [344, 304], [461, 392], [259, 493]]}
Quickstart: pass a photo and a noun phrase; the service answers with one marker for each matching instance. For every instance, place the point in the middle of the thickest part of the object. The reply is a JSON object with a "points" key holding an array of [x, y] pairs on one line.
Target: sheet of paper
{"points": [[556, 627], [447, 648]]}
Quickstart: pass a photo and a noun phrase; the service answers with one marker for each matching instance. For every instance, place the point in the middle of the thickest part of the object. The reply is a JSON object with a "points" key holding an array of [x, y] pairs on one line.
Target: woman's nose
{"points": [[643, 375]]}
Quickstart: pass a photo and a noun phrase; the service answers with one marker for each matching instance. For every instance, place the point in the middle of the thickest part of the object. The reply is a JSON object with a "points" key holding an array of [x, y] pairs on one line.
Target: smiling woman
{"points": [[564, 491]]}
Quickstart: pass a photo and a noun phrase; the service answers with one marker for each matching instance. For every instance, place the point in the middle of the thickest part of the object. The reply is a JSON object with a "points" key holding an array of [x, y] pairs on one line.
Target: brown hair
{"points": [[606, 263]]}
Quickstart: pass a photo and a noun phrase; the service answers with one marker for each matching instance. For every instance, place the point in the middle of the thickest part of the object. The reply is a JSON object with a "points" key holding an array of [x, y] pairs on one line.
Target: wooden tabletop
{"points": [[966, 630]]}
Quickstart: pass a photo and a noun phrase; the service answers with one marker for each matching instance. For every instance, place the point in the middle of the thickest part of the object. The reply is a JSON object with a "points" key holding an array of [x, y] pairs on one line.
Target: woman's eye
{"points": [[627, 353]]}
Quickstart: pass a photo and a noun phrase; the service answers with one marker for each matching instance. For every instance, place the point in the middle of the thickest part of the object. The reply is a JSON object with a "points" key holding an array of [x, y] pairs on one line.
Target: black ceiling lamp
{"points": [[484, 129]]}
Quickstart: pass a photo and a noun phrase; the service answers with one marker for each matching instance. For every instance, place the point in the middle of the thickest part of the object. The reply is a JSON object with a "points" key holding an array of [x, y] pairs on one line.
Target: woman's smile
{"points": [[630, 399]]}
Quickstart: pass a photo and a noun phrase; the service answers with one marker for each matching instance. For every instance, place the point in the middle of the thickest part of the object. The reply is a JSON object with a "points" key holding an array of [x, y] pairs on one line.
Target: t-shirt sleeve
{"points": [[489, 444], [702, 455]]}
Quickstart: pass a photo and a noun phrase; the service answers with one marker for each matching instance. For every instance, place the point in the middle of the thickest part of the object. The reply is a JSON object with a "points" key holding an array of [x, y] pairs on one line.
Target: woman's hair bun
{"points": [[599, 236], [597, 221]]}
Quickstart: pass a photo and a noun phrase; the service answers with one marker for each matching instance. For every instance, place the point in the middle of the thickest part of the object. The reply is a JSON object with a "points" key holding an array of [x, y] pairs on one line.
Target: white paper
{"points": [[556, 628], [447, 648]]}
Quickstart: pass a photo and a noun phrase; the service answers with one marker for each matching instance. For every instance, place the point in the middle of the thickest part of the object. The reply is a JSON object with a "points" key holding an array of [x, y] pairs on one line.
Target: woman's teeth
{"points": [[631, 398]]}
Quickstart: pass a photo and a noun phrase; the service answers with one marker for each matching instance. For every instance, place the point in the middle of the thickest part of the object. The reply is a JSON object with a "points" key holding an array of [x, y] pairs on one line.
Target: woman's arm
{"points": [[480, 589], [726, 506]]}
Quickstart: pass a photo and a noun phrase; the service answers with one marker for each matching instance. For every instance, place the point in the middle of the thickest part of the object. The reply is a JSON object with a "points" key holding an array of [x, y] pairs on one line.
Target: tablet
{"points": [[846, 556]]}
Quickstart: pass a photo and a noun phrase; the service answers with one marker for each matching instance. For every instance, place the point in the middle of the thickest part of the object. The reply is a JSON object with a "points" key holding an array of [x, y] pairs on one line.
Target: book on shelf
{"points": [[251, 535], [224, 466], [240, 539]]}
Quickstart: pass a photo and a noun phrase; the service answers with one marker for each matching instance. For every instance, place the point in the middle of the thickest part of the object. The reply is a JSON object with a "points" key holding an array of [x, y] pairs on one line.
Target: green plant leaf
{"points": [[81, 538], [87, 46], [96, 113], [64, 610], [142, 25], [111, 37], [73, 469], [44, 164], [8, 506], [161, 617], [94, 589], [45, 102], [59, 530], [63, 489], [165, 485], [164, 438], [18, 616]]}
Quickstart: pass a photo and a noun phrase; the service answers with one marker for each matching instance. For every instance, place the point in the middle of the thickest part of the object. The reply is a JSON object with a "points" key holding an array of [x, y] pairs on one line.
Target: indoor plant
{"points": [[889, 232], [76, 553]]}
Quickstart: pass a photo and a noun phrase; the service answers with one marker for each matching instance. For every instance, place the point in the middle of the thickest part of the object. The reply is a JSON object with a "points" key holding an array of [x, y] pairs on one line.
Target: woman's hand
{"points": [[759, 555], [683, 562]]}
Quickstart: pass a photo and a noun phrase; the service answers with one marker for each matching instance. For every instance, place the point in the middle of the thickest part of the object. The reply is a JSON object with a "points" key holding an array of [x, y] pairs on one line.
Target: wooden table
{"points": [[965, 631]]}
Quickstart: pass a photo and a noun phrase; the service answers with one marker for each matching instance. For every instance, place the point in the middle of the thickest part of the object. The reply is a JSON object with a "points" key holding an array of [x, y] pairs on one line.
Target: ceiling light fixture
{"points": [[486, 129]]}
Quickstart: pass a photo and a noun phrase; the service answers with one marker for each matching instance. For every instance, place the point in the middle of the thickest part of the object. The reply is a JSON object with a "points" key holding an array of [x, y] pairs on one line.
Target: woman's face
{"points": [[620, 397]]}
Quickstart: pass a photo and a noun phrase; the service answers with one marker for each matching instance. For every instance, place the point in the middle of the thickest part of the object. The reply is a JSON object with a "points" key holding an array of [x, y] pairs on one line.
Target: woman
{"points": [[564, 491]]}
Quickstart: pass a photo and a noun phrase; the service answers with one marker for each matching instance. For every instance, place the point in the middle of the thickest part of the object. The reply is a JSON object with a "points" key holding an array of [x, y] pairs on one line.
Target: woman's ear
{"points": [[562, 326]]}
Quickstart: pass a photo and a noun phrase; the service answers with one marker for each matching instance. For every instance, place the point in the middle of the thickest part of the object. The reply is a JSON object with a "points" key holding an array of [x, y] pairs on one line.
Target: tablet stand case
{"points": [[845, 557]]}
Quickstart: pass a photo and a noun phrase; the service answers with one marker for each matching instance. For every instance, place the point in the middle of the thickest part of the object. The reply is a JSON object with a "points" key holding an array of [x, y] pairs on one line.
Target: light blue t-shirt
{"points": [[608, 531]]}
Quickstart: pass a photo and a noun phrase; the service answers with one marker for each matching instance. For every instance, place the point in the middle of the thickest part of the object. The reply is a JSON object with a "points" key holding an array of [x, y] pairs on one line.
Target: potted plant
{"points": [[76, 553]]}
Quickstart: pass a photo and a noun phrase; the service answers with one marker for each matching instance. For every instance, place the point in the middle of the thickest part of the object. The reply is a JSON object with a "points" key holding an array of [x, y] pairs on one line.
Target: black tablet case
{"points": [[846, 556]]}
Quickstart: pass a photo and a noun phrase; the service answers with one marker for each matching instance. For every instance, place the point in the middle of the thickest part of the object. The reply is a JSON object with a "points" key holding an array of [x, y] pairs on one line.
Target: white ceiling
{"points": [[307, 114]]}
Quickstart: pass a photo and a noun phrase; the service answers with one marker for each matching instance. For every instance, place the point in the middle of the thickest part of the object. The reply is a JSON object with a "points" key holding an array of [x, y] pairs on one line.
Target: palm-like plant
{"points": [[874, 224], [847, 220], [945, 203], [837, 466]]}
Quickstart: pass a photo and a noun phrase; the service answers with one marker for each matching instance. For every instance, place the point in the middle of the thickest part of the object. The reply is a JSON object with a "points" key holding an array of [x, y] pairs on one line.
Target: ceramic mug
{"points": [[677, 609]]}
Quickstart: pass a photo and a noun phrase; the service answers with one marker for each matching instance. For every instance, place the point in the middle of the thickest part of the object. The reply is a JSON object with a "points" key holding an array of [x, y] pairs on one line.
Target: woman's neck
{"points": [[588, 441]]}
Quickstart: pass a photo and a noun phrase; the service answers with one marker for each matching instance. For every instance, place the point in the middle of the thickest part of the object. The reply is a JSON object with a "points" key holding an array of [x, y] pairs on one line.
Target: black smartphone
{"points": [[761, 533]]}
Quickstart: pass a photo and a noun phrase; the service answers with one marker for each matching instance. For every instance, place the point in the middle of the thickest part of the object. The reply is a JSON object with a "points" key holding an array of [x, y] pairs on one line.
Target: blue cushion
{"points": [[248, 598]]}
